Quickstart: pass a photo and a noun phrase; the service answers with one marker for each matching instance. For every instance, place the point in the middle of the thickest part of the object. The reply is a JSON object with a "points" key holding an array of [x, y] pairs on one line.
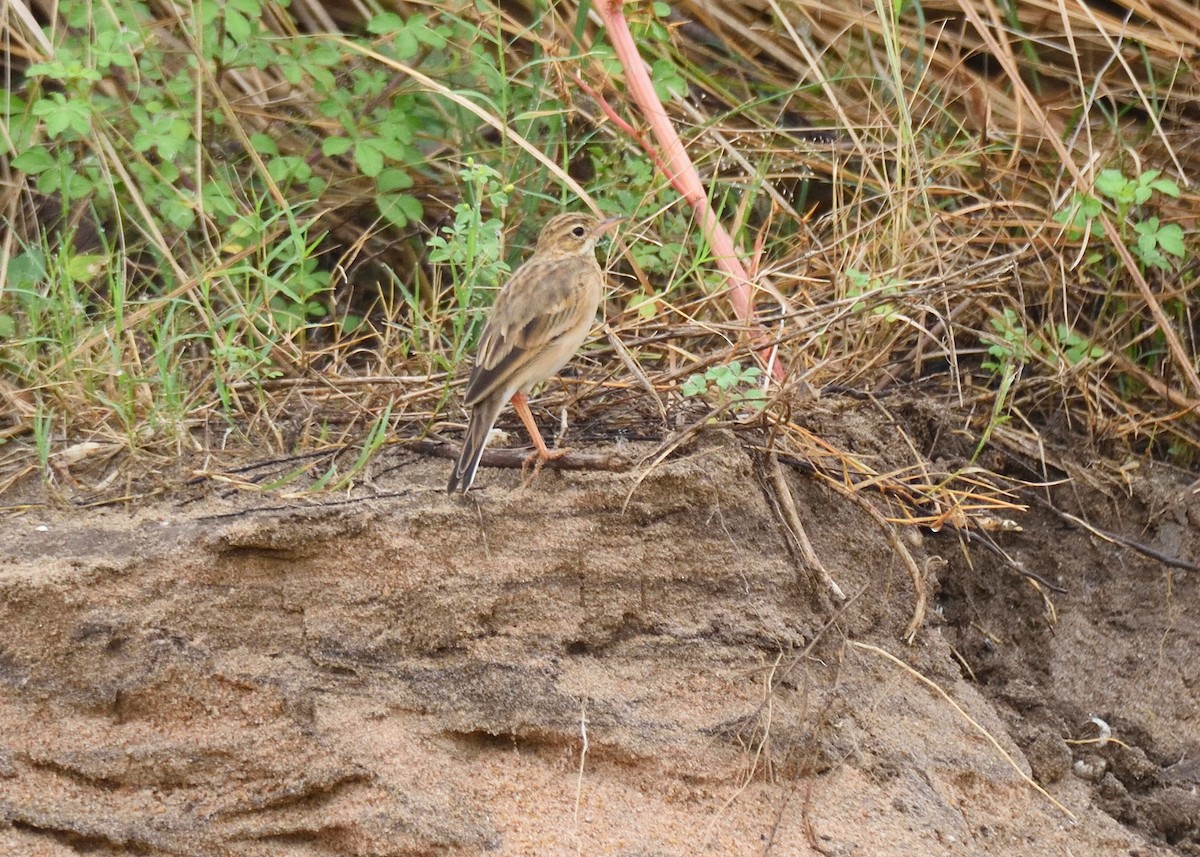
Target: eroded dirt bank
{"points": [[416, 675]]}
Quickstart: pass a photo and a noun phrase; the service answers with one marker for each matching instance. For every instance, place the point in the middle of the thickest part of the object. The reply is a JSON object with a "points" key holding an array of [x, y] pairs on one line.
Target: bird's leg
{"points": [[543, 453]]}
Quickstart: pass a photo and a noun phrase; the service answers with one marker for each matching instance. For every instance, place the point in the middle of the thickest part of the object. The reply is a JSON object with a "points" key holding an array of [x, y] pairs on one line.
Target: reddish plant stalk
{"points": [[682, 173]]}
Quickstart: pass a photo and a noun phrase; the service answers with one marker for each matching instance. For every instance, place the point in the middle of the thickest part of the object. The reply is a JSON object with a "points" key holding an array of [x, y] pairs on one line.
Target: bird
{"points": [[540, 318]]}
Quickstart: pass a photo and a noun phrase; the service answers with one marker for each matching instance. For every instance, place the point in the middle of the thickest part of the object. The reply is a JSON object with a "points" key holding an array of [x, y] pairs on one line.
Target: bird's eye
{"points": [[579, 232]]}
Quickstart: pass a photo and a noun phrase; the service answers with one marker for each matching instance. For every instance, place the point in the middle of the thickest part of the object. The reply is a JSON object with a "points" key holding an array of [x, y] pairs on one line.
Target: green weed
{"points": [[728, 384], [1148, 239]]}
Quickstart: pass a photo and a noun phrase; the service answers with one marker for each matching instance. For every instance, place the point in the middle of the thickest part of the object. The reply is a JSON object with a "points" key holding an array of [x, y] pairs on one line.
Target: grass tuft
{"points": [[221, 221]]}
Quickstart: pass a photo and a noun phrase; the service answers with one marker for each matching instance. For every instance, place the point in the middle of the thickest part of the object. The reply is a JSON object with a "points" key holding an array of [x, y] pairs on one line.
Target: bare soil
{"points": [[594, 665]]}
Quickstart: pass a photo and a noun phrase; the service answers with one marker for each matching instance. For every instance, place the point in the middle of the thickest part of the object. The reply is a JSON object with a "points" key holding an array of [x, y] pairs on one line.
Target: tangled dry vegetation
{"points": [[244, 224]]}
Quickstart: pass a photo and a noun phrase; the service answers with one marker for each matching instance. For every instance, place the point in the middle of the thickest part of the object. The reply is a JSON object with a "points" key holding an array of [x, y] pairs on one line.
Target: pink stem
{"points": [[681, 172], [614, 117]]}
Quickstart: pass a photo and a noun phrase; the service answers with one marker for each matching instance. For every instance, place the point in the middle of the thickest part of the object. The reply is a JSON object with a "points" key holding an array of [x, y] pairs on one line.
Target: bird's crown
{"points": [[568, 234]]}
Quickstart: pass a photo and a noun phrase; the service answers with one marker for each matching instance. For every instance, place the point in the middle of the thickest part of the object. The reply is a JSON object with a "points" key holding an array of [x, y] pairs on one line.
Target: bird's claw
{"points": [[538, 458]]}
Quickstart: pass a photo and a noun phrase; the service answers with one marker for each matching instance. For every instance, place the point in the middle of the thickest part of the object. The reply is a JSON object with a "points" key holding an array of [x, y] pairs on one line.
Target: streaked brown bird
{"points": [[540, 318]]}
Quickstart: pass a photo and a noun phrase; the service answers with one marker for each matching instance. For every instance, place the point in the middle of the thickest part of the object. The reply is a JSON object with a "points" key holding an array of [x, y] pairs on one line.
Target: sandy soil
{"points": [[538, 670]]}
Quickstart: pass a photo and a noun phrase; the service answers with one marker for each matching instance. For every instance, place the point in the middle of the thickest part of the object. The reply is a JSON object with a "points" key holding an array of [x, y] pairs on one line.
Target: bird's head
{"points": [[572, 234]]}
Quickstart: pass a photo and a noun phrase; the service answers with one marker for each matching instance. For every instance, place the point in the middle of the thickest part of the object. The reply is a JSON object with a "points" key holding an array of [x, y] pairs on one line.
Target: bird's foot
{"points": [[538, 458]]}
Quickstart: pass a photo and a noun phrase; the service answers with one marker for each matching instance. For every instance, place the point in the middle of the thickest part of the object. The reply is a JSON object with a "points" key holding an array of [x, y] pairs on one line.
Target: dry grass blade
{"points": [[495, 122], [991, 739]]}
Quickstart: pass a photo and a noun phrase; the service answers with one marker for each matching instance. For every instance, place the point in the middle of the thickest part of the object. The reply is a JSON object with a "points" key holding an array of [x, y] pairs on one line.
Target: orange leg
{"points": [[543, 454]]}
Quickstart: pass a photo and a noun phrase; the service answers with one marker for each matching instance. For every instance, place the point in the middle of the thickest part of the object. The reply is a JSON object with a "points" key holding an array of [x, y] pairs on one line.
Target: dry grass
{"points": [[893, 181]]}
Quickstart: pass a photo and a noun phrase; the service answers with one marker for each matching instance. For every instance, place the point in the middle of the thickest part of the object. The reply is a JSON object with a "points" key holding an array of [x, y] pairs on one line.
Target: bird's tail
{"points": [[483, 417]]}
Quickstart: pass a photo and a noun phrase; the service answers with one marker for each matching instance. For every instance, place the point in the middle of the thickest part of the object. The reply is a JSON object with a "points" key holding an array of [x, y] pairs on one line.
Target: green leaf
{"points": [[1166, 186], [292, 72], [1111, 183], [414, 209], [400, 209], [395, 126], [237, 26], [76, 185], [174, 139], [178, 213], [727, 378], [646, 306], [755, 397], [61, 115], [406, 45], [430, 36], [27, 269], [8, 326], [113, 47], [67, 71], [84, 267], [368, 157], [667, 80], [263, 144], [280, 169], [390, 147], [34, 161], [50, 181], [1147, 234], [385, 23], [695, 385], [334, 146], [393, 179], [217, 200], [1170, 239]]}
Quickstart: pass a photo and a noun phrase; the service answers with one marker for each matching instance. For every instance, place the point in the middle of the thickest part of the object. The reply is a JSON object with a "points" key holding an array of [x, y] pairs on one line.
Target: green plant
{"points": [[1150, 238], [1075, 347], [648, 24], [1126, 193], [472, 246], [728, 384], [376, 437], [211, 199], [1014, 345], [43, 424], [864, 285], [1155, 238], [998, 416]]}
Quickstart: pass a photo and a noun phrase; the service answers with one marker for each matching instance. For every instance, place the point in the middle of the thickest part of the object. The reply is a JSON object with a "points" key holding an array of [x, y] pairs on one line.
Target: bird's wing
{"points": [[544, 300]]}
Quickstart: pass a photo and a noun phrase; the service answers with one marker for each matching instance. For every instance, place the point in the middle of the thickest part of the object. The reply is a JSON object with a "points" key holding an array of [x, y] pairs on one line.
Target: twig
{"points": [[616, 118], [979, 537], [519, 458], [914, 571], [583, 751], [633, 369], [1118, 539], [889, 530], [795, 528]]}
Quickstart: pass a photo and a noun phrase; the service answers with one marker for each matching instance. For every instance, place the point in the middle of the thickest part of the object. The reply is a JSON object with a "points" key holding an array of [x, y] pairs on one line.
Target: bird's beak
{"points": [[607, 224]]}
